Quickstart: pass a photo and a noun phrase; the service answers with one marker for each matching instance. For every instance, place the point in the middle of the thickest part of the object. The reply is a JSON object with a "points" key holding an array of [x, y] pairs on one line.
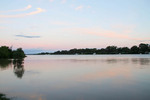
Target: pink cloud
{"points": [[102, 32], [126, 28], [24, 9], [39, 10]]}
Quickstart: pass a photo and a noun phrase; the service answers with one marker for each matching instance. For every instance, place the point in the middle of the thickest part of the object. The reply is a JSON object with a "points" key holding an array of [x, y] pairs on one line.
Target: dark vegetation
{"points": [[8, 53], [3, 97], [141, 49]]}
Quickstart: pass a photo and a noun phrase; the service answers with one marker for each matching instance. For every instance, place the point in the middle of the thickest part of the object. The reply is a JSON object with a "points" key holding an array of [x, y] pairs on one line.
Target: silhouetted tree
{"points": [[5, 52], [111, 49], [18, 54], [119, 50], [143, 48], [125, 50], [134, 50]]}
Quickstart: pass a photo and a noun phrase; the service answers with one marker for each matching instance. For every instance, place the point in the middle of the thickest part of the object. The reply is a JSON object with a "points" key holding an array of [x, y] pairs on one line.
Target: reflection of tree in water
{"points": [[116, 60], [5, 63], [18, 67], [3, 97], [143, 62]]}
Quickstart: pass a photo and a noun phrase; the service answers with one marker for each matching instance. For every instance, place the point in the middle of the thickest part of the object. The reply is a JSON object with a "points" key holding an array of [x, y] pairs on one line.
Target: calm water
{"points": [[77, 77]]}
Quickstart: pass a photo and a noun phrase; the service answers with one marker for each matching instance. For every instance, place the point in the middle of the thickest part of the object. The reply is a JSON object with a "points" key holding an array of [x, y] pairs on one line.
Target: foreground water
{"points": [[77, 77]]}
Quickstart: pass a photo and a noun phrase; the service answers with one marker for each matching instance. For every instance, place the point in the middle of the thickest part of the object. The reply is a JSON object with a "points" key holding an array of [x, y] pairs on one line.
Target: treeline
{"points": [[8, 53], [141, 49]]}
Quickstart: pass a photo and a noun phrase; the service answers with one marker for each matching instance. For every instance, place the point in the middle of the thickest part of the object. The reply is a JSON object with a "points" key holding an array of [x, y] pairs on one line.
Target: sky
{"points": [[50, 25]]}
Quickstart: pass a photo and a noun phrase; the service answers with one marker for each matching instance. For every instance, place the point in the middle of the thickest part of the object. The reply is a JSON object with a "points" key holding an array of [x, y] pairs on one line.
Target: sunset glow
{"points": [[51, 25]]}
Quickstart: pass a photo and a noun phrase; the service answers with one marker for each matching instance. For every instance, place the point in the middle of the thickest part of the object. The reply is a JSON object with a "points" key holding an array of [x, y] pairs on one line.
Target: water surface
{"points": [[76, 77]]}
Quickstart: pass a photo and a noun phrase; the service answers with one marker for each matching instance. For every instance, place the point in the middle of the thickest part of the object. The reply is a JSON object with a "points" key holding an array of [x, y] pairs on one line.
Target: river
{"points": [[76, 77]]}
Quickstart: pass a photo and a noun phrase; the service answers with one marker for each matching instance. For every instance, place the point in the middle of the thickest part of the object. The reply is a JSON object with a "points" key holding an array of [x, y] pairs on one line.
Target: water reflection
{"points": [[5, 64], [3, 97], [76, 78], [138, 61], [16, 64], [18, 67], [141, 61]]}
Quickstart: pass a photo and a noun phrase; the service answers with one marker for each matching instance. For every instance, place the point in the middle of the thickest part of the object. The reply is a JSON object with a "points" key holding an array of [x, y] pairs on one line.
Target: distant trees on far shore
{"points": [[8, 53], [141, 49]]}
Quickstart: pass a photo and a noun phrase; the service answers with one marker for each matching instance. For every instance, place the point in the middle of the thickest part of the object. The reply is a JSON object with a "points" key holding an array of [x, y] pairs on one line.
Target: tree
{"points": [[125, 50], [134, 50], [18, 54], [111, 50], [5, 52], [143, 48]]}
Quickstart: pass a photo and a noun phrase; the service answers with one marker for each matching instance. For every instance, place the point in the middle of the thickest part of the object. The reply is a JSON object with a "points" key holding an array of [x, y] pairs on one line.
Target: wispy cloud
{"points": [[39, 10], [24, 9], [79, 7], [27, 36], [103, 33]]}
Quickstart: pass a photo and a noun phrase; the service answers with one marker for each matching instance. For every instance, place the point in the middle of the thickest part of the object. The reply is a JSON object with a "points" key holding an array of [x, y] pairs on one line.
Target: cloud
{"points": [[127, 28], [79, 7], [102, 32], [24, 9], [39, 10], [26, 36]]}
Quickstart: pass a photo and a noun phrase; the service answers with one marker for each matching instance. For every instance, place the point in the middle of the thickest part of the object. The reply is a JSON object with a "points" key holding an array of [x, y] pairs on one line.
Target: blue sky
{"points": [[50, 25]]}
